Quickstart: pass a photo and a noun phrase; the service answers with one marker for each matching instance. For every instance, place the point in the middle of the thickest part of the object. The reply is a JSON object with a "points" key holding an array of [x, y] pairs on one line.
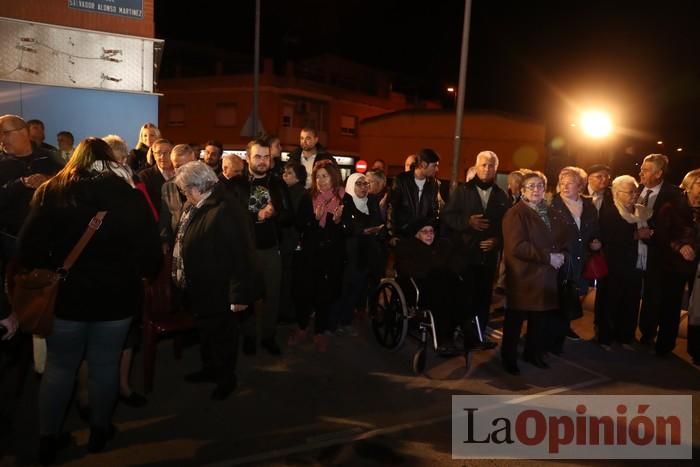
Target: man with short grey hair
{"points": [[474, 215], [172, 200], [661, 289]]}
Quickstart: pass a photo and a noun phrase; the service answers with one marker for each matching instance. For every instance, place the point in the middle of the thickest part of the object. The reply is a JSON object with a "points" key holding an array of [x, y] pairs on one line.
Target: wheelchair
{"points": [[395, 316]]}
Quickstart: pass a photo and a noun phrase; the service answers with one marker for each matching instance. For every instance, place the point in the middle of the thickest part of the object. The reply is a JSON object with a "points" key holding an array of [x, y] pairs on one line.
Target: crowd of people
{"points": [[252, 242]]}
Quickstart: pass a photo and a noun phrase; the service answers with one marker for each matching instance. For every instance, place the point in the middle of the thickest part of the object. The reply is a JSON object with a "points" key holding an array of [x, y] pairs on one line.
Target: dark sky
{"points": [[542, 59]]}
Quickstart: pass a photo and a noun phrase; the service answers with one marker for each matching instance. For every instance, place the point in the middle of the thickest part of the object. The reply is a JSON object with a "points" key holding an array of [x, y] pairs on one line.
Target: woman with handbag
{"points": [[578, 216], [98, 296], [533, 252]]}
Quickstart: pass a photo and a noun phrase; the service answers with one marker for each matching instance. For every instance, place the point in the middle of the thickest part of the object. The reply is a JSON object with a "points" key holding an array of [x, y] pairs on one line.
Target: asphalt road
{"points": [[355, 405]]}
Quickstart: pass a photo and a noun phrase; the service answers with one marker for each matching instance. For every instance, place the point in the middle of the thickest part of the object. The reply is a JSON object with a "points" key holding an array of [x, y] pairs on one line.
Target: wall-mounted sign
{"points": [[128, 8]]}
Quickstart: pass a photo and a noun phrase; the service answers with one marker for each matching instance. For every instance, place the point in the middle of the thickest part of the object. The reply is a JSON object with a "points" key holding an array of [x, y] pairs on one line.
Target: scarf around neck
{"points": [[329, 201], [360, 203], [122, 171], [640, 215]]}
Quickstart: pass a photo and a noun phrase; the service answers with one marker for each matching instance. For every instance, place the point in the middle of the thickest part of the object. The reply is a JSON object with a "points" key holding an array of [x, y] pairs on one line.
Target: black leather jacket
{"points": [[405, 205]]}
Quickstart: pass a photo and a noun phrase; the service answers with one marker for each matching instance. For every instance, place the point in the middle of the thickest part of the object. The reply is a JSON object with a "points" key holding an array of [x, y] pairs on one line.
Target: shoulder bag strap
{"points": [[93, 226]]}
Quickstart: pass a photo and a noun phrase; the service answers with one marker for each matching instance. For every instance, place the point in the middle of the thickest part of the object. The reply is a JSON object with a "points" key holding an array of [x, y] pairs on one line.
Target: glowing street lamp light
{"points": [[679, 149], [659, 142], [596, 124], [452, 90]]}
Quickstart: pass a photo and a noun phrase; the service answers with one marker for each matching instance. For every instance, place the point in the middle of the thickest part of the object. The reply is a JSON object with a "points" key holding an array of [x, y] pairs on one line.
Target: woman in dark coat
{"points": [[138, 157], [431, 264], [533, 251], [626, 255], [578, 216], [691, 186], [212, 262], [363, 248], [319, 221], [101, 293]]}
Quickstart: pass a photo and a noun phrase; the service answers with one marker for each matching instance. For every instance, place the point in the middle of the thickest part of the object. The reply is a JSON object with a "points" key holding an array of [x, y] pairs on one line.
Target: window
{"points": [[288, 116], [176, 115], [348, 125], [225, 114]]}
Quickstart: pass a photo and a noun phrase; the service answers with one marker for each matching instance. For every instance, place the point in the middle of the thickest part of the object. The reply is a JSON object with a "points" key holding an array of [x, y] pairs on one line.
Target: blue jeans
{"points": [[100, 343]]}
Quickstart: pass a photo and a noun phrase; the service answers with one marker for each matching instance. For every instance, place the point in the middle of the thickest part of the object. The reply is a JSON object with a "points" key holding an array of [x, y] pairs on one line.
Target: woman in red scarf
{"points": [[320, 224]]}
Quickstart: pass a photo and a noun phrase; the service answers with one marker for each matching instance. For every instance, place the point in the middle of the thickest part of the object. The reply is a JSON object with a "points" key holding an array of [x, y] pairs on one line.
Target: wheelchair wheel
{"points": [[418, 360], [389, 315]]}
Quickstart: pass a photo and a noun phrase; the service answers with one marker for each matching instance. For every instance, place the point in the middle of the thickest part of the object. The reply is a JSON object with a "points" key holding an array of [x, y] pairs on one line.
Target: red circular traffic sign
{"points": [[361, 166]]}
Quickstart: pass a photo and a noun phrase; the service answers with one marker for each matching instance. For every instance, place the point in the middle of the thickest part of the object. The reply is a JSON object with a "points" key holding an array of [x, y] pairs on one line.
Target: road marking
{"points": [[316, 443]]}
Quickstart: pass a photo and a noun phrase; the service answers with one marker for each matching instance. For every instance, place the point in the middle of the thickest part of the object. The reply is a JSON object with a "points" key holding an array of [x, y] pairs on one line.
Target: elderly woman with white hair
{"points": [[579, 217], [626, 255], [212, 264], [691, 186]]}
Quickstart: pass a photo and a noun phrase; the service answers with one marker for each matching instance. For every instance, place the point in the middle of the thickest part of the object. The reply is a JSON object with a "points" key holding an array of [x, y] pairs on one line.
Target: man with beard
{"points": [[309, 152], [270, 210], [213, 150], [473, 216]]}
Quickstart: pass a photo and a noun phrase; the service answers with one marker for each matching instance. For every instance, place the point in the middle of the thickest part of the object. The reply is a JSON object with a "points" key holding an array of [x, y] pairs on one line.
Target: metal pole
{"points": [[460, 95], [256, 70]]}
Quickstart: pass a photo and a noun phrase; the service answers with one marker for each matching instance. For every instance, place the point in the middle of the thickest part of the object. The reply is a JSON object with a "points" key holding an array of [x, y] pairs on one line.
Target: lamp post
{"points": [[453, 91]]}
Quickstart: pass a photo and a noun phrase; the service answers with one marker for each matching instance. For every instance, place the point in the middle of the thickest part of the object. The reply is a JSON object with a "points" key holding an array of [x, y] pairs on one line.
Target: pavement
{"points": [[358, 404]]}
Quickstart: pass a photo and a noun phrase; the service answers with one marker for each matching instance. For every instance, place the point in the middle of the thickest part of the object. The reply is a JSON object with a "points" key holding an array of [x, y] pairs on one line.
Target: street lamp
{"points": [[453, 91], [596, 124]]}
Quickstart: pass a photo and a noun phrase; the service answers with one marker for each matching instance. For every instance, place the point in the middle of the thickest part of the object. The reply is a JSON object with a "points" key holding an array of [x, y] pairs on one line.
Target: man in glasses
{"points": [[23, 167], [155, 176]]}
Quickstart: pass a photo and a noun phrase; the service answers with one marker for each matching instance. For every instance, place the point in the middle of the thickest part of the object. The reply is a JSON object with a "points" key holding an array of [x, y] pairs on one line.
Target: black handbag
{"points": [[569, 303]]}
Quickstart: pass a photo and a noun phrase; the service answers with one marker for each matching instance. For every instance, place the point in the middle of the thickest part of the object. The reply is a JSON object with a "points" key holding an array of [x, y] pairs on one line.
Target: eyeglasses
{"points": [[12, 130], [361, 183], [534, 186], [161, 153]]}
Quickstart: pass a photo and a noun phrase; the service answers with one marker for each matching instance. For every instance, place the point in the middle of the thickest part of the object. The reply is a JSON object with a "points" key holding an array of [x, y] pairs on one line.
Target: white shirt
{"points": [[421, 184], [308, 163], [652, 197], [484, 195]]}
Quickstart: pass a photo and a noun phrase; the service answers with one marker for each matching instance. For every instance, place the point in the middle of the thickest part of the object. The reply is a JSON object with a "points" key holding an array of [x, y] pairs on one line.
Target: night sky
{"points": [[541, 59]]}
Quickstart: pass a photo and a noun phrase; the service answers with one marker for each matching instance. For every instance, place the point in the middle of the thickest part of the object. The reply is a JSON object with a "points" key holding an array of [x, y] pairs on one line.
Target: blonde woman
{"points": [[139, 157]]}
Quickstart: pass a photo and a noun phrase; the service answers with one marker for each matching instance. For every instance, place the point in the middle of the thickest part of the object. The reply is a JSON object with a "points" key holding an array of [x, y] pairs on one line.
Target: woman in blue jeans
{"points": [[101, 292]]}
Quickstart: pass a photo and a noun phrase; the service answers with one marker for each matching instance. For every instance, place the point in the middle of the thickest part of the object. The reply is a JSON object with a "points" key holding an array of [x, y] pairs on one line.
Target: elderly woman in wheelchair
{"points": [[425, 299]]}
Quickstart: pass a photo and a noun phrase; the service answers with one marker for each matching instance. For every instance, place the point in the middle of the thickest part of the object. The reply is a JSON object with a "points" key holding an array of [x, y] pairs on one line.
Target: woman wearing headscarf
{"points": [[363, 251], [322, 242]]}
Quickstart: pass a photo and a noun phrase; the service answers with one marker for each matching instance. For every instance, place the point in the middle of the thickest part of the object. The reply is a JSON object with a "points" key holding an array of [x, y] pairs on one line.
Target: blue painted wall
{"points": [[83, 112]]}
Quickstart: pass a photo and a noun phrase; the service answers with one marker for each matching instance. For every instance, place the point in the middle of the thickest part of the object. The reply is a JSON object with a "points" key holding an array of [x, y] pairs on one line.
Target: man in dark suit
{"points": [[659, 284], [155, 176], [473, 216], [598, 188], [414, 194]]}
